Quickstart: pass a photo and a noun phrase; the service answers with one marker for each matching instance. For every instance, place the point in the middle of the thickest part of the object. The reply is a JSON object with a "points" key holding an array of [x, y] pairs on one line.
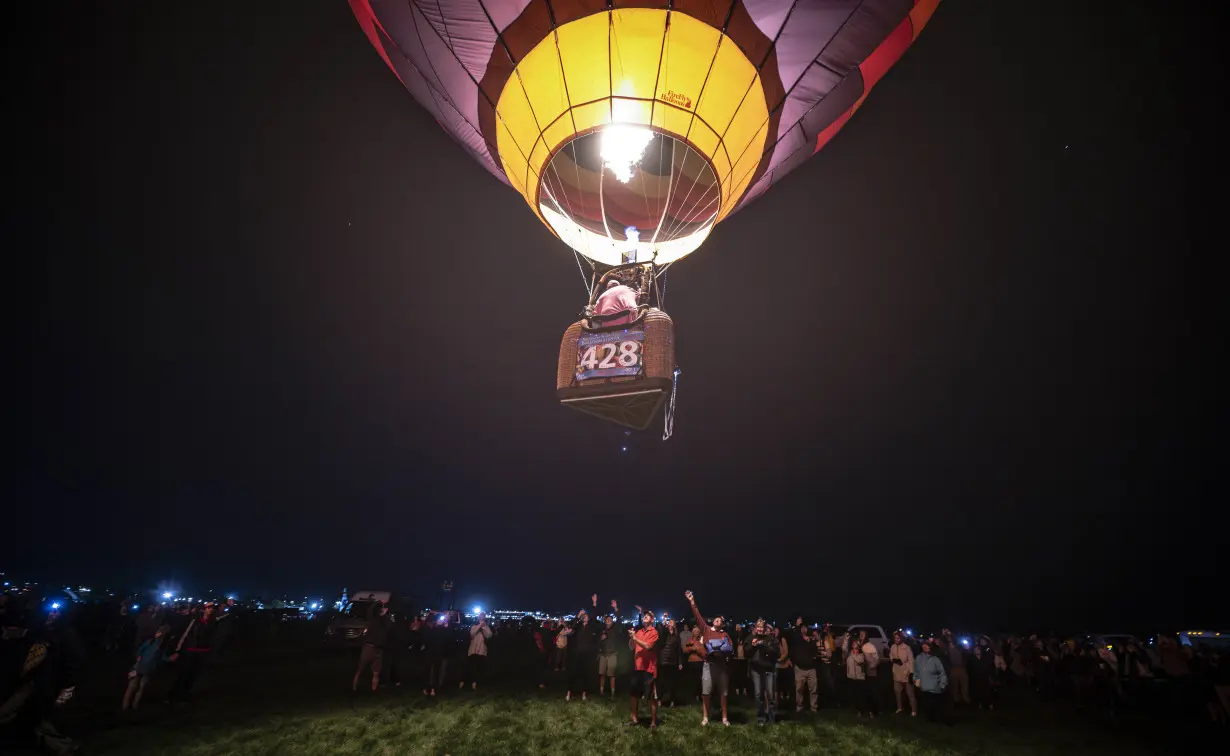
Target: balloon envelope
{"points": [[639, 125]]}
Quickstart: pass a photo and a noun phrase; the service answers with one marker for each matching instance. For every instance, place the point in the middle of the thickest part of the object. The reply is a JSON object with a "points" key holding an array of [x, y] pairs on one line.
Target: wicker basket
{"points": [[634, 400]]}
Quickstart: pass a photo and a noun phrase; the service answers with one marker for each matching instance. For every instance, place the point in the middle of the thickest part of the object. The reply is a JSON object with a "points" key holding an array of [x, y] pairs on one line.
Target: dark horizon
{"points": [[962, 366], [889, 614]]}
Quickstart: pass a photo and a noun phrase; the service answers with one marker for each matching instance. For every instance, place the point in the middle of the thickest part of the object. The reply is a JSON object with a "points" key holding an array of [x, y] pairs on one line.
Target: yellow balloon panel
{"points": [[624, 110], [636, 44], [514, 164], [723, 97], [562, 129], [583, 50], [629, 66], [516, 130], [592, 115], [540, 154], [690, 49], [746, 161], [543, 80]]}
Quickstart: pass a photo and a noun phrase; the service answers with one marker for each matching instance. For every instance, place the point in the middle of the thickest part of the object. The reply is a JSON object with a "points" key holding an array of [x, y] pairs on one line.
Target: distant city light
{"points": [[478, 610], [315, 606], [167, 594], [55, 605], [909, 632], [135, 607]]}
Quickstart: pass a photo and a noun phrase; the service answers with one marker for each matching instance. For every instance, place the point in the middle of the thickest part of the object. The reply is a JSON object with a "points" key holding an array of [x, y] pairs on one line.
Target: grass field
{"points": [[303, 706]]}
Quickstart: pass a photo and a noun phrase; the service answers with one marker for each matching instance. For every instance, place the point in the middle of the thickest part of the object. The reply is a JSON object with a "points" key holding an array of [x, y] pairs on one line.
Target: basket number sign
{"points": [[607, 355]]}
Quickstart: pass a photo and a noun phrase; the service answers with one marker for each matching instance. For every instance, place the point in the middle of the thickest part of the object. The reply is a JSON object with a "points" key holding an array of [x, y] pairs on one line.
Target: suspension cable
{"points": [[589, 289], [669, 430]]}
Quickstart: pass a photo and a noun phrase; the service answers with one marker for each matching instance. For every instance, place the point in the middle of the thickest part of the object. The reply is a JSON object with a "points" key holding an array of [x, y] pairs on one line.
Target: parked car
{"points": [[1210, 638], [875, 635], [348, 627]]}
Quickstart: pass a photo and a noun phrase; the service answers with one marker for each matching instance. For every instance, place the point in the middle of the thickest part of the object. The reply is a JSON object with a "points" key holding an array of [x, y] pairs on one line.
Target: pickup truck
{"points": [[875, 634]]}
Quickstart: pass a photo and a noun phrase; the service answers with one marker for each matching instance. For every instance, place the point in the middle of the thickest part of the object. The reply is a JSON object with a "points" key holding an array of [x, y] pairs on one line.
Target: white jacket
{"points": [[478, 640], [854, 666], [903, 653], [872, 654]]}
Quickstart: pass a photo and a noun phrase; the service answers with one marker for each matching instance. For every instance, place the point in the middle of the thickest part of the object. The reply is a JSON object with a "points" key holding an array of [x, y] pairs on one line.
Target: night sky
{"points": [[271, 329]]}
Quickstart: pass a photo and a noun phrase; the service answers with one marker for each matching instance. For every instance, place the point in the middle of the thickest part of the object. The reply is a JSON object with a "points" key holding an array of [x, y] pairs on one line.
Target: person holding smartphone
{"points": [[643, 642], [762, 651], [716, 649], [804, 653], [902, 657]]}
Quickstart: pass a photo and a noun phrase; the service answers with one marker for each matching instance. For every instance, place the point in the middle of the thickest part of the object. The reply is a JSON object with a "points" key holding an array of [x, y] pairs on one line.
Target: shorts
{"points": [[642, 684], [715, 678], [370, 656], [606, 665]]}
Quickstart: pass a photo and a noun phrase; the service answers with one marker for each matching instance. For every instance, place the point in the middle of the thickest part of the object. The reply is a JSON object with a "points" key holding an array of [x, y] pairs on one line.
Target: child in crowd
{"points": [[150, 659]]}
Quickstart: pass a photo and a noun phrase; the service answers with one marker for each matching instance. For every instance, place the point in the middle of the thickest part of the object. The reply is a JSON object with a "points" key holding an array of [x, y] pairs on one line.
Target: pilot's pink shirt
{"points": [[617, 299]]}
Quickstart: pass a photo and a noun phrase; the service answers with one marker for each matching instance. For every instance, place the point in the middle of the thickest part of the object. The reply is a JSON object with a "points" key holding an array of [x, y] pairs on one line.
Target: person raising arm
{"points": [[715, 649]]}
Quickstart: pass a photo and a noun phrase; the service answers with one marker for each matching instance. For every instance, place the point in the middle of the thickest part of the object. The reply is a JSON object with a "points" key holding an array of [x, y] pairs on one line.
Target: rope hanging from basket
{"points": [[662, 289], [670, 408], [589, 290]]}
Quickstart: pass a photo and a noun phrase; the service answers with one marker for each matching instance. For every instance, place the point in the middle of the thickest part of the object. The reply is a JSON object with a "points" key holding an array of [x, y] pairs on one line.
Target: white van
{"points": [[875, 635], [347, 627]]}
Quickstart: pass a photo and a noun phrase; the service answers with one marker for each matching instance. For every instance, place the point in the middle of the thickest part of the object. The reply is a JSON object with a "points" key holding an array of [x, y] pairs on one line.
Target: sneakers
{"points": [[568, 696], [726, 722], [898, 711], [704, 721]]}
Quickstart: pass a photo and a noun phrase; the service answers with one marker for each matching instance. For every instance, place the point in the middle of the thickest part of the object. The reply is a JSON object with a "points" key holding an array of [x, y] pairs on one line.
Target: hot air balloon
{"points": [[631, 128]]}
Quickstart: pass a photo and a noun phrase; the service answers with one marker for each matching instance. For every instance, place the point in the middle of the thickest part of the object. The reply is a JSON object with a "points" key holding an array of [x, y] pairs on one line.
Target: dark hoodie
{"points": [[802, 649], [762, 656], [377, 630], [671, 652], [616, 638], [437, 642], [584, 640]]}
